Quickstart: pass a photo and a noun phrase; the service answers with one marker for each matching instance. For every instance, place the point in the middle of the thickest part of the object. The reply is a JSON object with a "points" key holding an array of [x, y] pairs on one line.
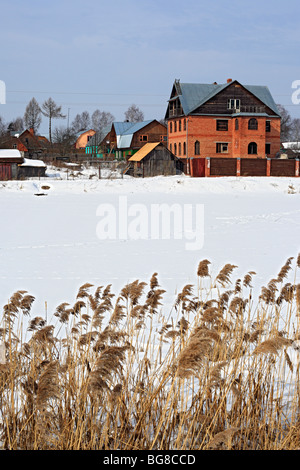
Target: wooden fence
{"points": [[204, 167]]}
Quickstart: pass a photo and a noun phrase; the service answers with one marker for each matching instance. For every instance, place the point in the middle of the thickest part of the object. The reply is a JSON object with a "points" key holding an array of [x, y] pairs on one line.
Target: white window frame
{"points": [[234, 103]]}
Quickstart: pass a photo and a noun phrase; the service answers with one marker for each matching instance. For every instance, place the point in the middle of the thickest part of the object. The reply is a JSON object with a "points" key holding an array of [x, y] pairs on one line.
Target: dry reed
{"points": [[121, 373]]}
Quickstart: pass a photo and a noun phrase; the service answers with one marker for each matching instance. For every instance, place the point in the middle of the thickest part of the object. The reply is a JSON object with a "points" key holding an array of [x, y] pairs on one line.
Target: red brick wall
{"points": [[203, 129]]}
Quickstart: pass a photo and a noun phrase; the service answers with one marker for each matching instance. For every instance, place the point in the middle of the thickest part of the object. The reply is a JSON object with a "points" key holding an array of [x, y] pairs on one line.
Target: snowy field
{"points": [[49, 244]]}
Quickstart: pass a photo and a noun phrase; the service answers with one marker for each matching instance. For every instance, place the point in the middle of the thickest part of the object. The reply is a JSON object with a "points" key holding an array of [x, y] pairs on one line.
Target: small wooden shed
{"points": [[154, 159], [9, 161], [31, 168]]}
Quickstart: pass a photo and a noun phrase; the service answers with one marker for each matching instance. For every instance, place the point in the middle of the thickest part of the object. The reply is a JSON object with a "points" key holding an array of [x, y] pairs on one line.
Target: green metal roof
{"points": [[193, 95]]}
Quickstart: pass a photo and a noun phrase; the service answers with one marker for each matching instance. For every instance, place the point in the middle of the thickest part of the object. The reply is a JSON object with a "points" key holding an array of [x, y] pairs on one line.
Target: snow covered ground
{"points": [[49, 244]]}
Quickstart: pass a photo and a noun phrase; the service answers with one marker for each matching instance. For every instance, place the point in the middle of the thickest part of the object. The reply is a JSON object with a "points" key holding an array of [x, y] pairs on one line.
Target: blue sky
{"points": [[107, 55]]}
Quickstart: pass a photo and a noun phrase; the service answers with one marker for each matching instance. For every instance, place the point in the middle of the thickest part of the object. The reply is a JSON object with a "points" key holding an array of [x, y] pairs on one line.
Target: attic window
{"points": [[143, 138], [233, 104], [268, 126]]}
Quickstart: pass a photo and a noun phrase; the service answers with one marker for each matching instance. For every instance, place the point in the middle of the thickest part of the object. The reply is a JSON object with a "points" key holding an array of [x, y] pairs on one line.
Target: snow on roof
{"points": [[10, 153], [29, 162], [291, 145]]}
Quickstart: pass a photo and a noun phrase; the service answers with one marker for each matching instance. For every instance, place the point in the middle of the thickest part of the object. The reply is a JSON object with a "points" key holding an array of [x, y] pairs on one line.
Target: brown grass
{"points": [[107, 372]]}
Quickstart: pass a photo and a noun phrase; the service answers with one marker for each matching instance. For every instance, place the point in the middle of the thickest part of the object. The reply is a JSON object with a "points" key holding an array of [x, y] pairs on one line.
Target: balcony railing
{"points": [[175, 112]]}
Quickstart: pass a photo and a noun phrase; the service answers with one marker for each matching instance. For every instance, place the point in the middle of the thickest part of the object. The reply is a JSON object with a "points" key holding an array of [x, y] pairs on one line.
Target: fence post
{"points": [[207, 166], [297, 167], [238, 167], [191, 167], [268, 167]]}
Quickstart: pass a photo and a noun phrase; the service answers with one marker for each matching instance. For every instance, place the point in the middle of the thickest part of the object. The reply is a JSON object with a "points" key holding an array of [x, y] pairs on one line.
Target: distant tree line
{"points": [[99, 121]]}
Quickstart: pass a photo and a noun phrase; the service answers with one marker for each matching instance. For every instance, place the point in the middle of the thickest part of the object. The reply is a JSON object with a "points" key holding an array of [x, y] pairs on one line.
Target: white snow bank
{"points": [[168, 185]]}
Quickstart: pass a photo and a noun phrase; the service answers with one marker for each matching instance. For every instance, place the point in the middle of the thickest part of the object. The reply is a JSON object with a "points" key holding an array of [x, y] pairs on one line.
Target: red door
{"points": [[197, 167], [5, 171]]}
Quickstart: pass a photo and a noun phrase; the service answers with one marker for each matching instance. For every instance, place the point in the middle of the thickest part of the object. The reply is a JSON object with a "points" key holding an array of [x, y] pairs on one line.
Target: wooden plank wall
{"points": [[283, 168], [200, 167], [223, 167], [253, 167]]}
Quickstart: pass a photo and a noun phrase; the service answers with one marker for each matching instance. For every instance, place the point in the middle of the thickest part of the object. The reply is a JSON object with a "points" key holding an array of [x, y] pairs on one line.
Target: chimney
{"points": [[229, 80], [31, 130]]}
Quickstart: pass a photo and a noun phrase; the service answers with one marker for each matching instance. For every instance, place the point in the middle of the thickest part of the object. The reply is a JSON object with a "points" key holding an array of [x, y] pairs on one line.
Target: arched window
{"points": [[170, 147], [184, 125], [197, 147], [171, 127], [184, 148], [252, 148], [252, 124], [179, 125], [175, 149], [179, 148]]}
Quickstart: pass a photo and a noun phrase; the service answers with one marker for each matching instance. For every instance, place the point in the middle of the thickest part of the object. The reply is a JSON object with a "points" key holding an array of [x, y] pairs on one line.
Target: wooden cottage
{"points": [[124, 139], [36, 145], [154, 159], [31, 169], [9, 161]]}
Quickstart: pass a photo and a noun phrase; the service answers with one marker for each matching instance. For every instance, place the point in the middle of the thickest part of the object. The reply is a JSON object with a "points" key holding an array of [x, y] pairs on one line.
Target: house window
{"points": [[175, 149], [268, 126], [171, 127], [175, 126], [222, 125], [143, 138], [179, 148], [233, 104], [163, 138], [184, 124], [170, 147], [179, 125], [222, 147], [252, 124], [252, 148], [184, 148], [268, 149], [197, 147], [236, 124]]}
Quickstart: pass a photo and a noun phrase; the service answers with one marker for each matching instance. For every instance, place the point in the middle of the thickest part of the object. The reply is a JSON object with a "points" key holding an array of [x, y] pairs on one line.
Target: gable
{"points": [[198, 98]]}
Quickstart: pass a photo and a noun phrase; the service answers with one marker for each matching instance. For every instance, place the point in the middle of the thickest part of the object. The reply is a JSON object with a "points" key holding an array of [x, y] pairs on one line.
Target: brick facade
{"points": [[225, 134]]}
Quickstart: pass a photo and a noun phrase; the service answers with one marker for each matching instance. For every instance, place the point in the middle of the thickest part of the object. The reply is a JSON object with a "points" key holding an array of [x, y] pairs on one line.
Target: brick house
{"points": [[222, 120]]}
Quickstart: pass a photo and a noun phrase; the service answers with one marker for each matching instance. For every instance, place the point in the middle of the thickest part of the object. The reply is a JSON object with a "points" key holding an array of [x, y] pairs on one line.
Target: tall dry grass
{"points": [[218, 371]]}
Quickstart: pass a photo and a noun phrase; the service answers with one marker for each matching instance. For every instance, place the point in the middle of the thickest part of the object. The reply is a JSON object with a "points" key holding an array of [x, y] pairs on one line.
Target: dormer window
{"points": [[234, 104]]}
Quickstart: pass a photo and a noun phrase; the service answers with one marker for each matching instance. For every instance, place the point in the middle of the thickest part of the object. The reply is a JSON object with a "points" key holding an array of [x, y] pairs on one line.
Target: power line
{"points": [[82, 93]]}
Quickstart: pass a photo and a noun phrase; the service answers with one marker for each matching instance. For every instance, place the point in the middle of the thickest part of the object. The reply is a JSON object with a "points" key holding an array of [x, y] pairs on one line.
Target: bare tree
{"points": [[33, 115], [17, 125], [285, 123], [64, 137], [295, 130], [134, 114], [81, 122], [3, 126], [101, 120], [52, 111]]}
